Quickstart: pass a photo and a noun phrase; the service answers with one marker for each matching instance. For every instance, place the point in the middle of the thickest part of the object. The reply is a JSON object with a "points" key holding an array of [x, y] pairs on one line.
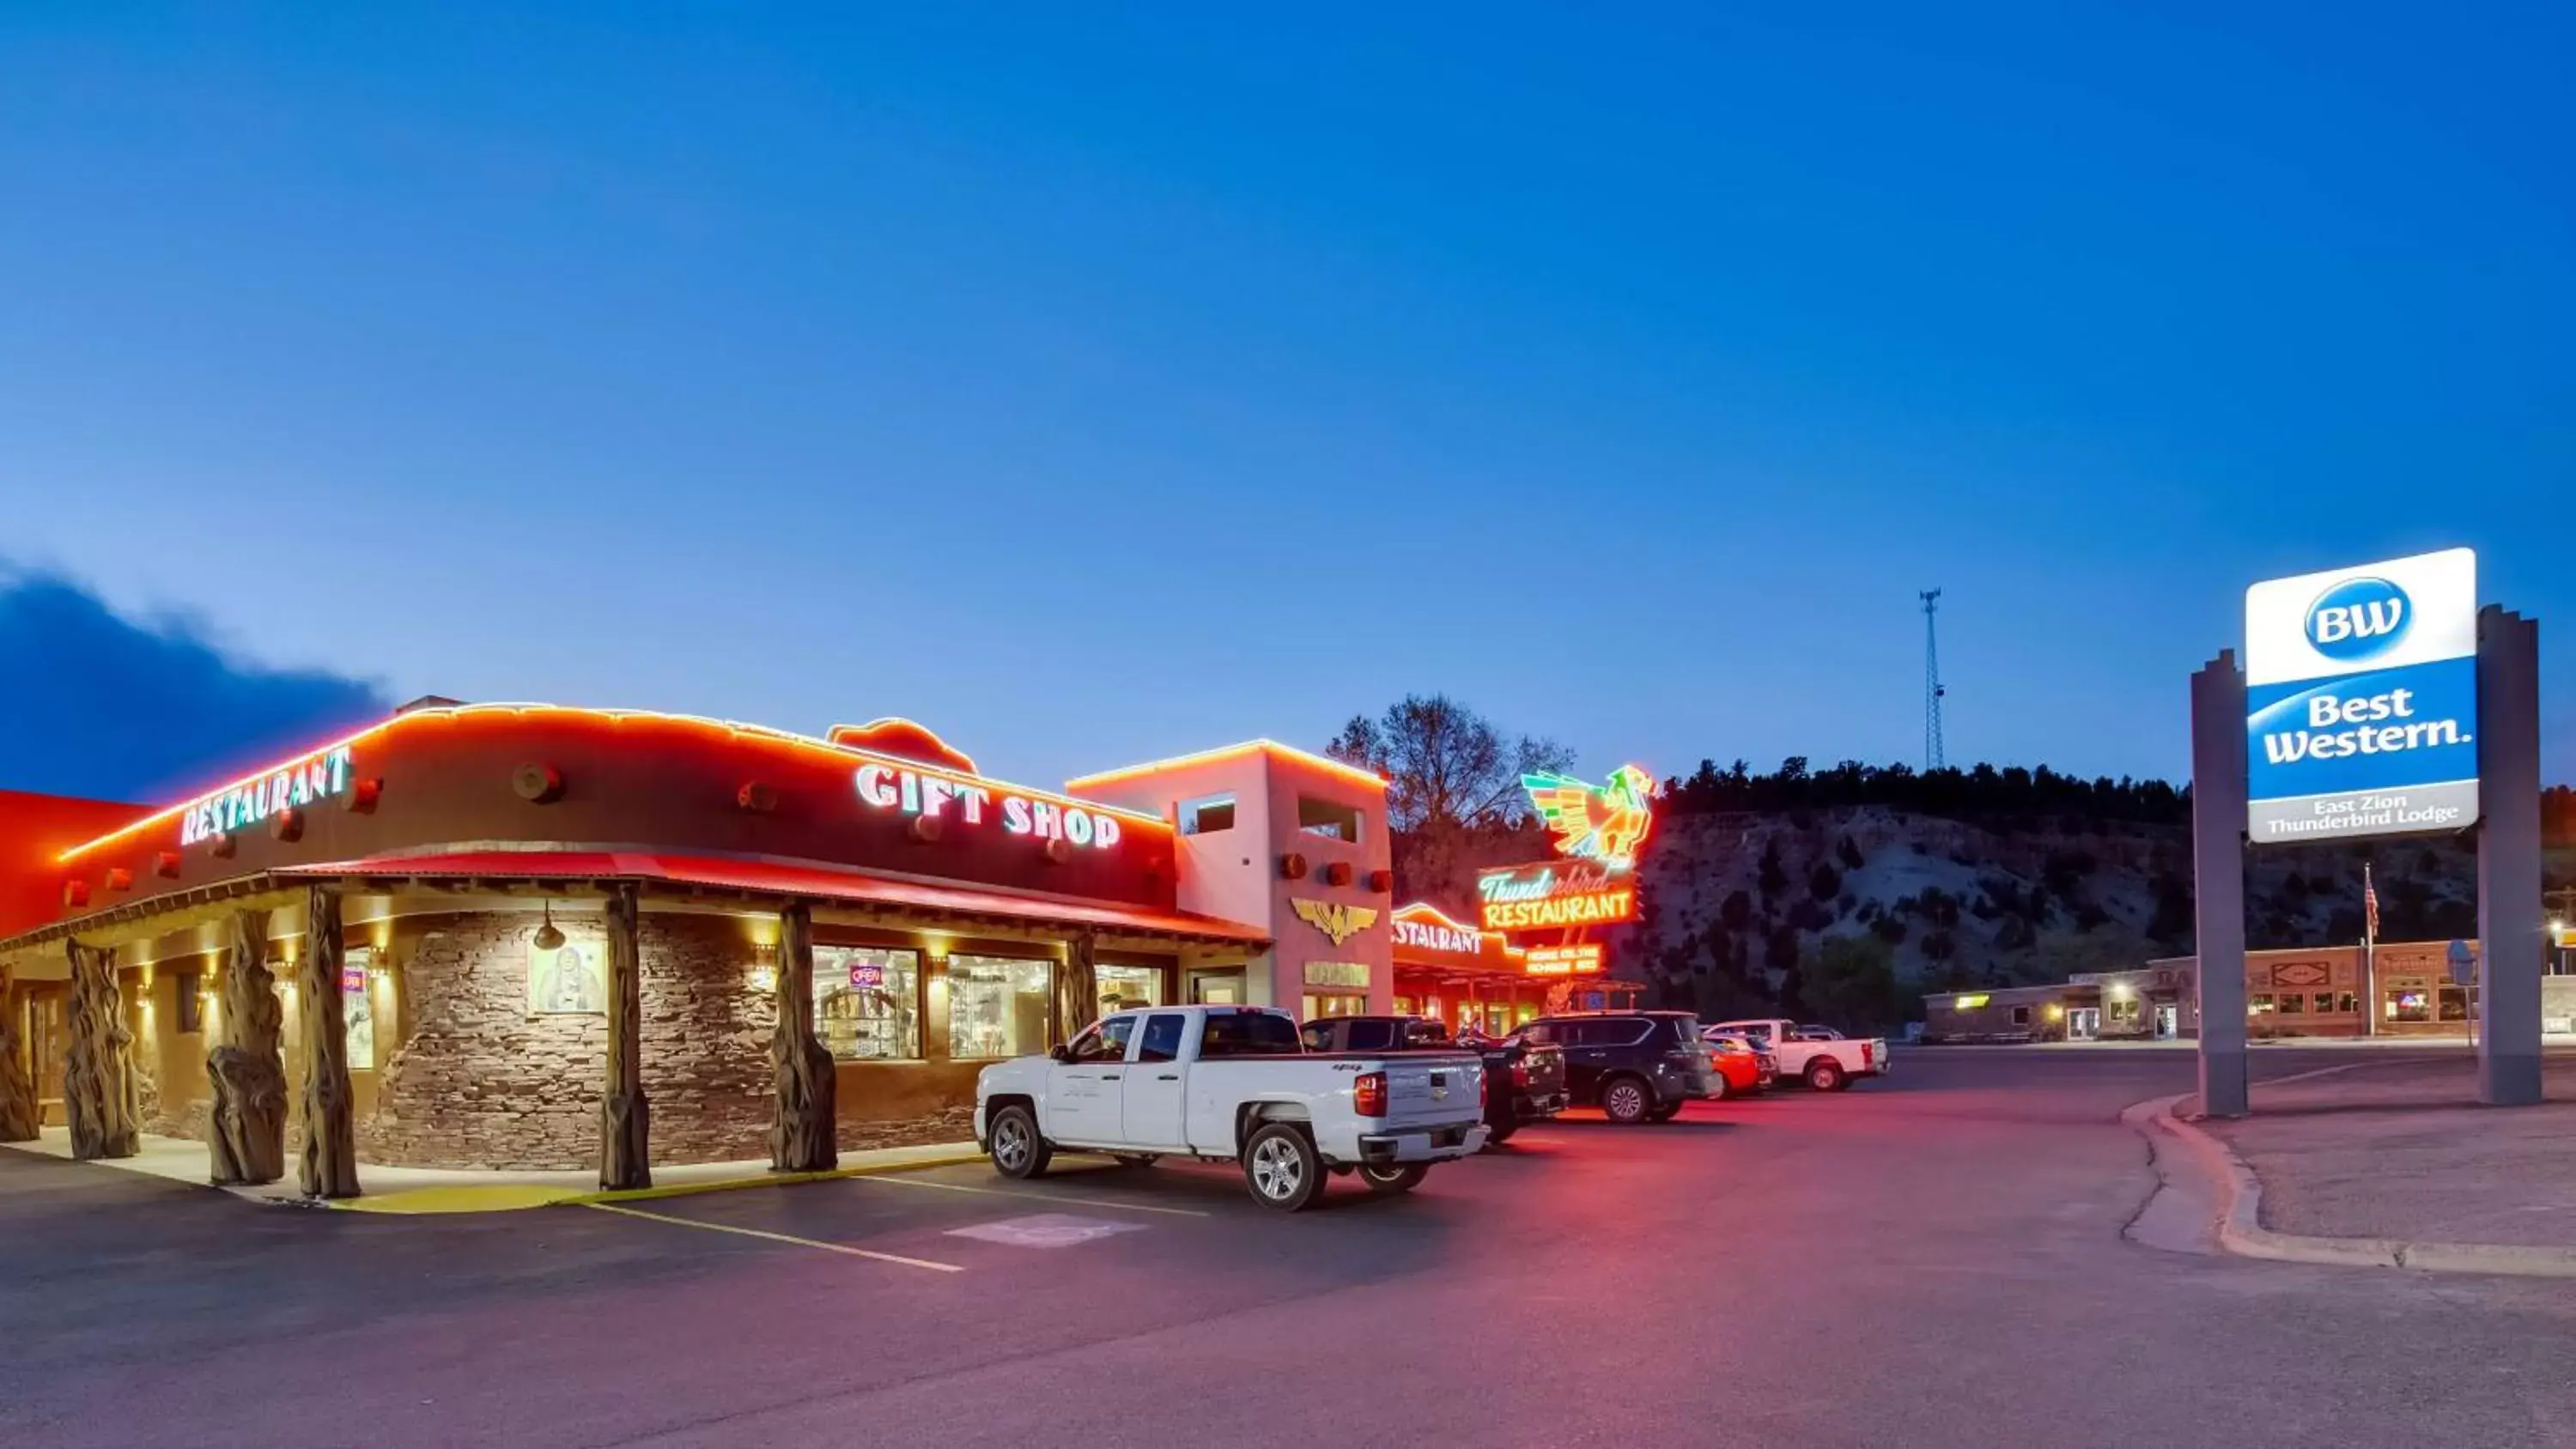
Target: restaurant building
{"points": [[533, 936]]}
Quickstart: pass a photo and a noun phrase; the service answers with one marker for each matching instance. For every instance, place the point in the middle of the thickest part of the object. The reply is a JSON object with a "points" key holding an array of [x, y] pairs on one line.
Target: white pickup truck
{"points": [[1233, 1084], [1827, 1064]]}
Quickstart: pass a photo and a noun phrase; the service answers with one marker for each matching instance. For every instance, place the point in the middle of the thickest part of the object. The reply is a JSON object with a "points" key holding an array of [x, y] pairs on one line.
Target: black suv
{"points": [[1637, 1066]]}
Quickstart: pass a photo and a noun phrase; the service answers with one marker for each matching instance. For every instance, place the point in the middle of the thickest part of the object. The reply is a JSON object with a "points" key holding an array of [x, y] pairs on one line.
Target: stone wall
{"points": [[479, 1081]]}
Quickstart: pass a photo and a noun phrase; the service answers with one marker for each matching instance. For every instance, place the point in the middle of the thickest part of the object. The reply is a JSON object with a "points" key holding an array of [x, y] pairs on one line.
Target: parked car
{"points": [[1826, 1065], [1743, 1064], [1524, 1080], [1637, 1066], [1233, 1084]]}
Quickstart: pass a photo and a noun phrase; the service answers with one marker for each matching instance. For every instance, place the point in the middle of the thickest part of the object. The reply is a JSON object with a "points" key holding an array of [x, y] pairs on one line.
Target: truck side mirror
{"points": [[1061, 1051]]}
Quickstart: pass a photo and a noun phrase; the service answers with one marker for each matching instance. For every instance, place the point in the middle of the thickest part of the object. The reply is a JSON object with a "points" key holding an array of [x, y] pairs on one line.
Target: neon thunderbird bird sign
{"points": [[1606, 825]]}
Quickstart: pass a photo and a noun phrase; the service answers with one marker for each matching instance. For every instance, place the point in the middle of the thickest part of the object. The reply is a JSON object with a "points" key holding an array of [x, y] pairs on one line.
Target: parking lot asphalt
{"points": [[1931, 1260]]}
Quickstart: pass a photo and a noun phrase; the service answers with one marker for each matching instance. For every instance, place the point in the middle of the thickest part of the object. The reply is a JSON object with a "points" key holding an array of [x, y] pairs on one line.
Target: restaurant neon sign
{"points": [[326, 775]]}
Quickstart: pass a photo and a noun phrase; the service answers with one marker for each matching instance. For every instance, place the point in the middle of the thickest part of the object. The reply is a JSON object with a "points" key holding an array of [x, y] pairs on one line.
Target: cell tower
{"points": [[1932, 690]]}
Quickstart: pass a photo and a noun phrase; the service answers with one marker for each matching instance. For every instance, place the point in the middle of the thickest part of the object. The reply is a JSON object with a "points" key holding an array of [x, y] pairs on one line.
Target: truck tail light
{"points": [[1865, 1062], [1485, 1087], [1368, 1094], [1520, 1074]]}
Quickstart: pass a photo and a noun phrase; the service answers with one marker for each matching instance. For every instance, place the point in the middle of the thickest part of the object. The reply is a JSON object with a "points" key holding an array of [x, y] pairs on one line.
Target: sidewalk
{"points": [[2402, 1152], [444, 1190]]}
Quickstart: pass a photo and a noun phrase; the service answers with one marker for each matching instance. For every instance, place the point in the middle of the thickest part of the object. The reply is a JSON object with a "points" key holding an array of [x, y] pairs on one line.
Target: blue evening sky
{"points": [[1093, 383]]}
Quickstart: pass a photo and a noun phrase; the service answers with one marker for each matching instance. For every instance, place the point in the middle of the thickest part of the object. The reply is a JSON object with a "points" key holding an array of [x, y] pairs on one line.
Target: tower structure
{"points": [[1932, 691]]}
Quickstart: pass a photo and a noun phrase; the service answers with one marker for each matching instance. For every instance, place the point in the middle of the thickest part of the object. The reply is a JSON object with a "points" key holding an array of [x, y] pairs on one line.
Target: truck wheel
{"points": [[1394, 1179], [1826, 1075], [1135, 1159], [1498, 1133], [1626, 1101], [1282, 1168], [1019, 1151]]}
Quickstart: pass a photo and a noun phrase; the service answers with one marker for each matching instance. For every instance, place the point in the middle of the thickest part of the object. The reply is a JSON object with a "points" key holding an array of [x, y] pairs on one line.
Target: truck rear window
{"points": [[1249, 1034]]}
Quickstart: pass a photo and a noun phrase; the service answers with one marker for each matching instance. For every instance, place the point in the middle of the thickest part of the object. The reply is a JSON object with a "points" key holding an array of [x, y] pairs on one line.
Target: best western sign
{"points": [[2362, 700], [1559, 893]]}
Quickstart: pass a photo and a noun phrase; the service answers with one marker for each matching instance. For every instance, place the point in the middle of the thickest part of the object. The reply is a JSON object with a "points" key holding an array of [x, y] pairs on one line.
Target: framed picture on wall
{"points": [[570, 980]]}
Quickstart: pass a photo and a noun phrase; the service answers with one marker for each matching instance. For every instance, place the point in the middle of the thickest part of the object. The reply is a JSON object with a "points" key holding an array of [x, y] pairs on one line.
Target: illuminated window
{"points": [[997, 1007], [358, 1009], [1124, 987], [2293, 1004], [1328, 818], [2258, 1005], [867, 1003], [1207, 814], [192, 1019], [2405, 1005], [2347, 1003]]}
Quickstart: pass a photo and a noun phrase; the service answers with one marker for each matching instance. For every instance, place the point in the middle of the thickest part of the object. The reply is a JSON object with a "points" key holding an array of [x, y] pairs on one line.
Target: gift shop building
{"points": [[533, 936]]}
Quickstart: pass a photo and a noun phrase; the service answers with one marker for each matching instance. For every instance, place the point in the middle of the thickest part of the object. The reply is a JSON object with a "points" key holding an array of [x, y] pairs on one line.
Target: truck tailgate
{"points": [[1432, 1090]]}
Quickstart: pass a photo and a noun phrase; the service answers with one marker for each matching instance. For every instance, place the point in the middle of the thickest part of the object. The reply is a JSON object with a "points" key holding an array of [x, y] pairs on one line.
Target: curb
{"points": [[2241, 1230], [390, 1204]]}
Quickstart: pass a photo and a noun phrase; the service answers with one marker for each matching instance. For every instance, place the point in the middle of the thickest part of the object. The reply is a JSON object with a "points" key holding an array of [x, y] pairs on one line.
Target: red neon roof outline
{"points": [[761, 732], [782, 878], [1223, 752], [1415, 910]]}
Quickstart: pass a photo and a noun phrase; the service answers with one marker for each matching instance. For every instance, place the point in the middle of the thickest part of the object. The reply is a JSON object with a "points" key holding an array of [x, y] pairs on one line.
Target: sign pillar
{"points": [[2218, 788], [2509, 903]]}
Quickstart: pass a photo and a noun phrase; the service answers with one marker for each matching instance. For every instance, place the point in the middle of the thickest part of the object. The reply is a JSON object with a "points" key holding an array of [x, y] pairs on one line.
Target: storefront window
{"points": [[997, 1007], [2293, 1003], [2407, 1005], [358, 1008], [2347, 1003], [2258, 1005], [867, 1003], [1125, 987], [1325, 1003]]}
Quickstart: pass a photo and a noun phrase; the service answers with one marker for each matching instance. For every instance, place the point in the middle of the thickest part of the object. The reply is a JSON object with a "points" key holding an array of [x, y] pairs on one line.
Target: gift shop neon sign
{"points": [[922, 793]]}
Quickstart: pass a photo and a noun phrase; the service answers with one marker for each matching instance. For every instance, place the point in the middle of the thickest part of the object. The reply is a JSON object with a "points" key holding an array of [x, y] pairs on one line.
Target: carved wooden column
{"points": [[625, 1118], [19, 1121], [246, 1139], [802, 1134], [330, 1165], [1077, 994], [98, 1075]]}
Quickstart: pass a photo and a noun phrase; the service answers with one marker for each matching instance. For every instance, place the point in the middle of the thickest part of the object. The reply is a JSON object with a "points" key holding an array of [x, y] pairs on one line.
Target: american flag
{"points": [[2369, 906]]}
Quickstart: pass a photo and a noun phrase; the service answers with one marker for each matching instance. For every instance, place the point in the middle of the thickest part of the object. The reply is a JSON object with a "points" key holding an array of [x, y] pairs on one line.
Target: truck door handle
{"points": [[1109, 1076], [1168, 1077]]}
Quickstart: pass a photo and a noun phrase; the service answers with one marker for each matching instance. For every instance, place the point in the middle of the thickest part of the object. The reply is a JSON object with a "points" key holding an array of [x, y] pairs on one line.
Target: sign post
{"points": [[2510, 922], [2218, 880]]}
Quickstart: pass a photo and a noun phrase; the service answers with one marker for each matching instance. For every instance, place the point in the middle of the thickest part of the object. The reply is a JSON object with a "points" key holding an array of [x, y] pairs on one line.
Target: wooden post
{"points": [[98, 1076], [803, 1132], [625, 1118], [18, 1118], [1078, 989], [246, 1138], [330, 1165]]}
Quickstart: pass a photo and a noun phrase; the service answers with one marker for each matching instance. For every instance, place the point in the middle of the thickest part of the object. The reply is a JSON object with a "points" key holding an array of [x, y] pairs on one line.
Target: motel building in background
{"points": [[497, 936]]}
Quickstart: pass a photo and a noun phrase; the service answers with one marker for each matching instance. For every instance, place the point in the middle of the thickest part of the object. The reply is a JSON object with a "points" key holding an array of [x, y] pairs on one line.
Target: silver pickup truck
{"points": [[1233, 1084]]}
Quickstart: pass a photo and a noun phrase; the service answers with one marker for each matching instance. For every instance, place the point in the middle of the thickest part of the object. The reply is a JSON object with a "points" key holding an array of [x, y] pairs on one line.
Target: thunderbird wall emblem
{"points": [[1335, 920]]}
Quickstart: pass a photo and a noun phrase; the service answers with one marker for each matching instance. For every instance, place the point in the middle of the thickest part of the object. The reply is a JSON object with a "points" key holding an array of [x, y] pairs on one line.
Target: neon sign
{"points": [[1582, 960], [325, 775], [1533, 897], [924, 793], [1436, 935], [1605, 825]]}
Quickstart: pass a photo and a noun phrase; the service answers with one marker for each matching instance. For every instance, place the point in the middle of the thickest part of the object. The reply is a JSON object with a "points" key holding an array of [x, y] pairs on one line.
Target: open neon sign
{"points": [[920, 792], [324, 776]]}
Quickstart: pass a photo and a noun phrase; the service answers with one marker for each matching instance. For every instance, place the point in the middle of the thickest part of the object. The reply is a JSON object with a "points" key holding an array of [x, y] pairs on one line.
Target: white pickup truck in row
{"points": [[1233, 1084], [1827, 1064]]}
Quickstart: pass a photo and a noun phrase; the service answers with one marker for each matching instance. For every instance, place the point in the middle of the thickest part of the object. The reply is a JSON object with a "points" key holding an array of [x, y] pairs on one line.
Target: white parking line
{"points": [[907, 1180], [841, 1248]]}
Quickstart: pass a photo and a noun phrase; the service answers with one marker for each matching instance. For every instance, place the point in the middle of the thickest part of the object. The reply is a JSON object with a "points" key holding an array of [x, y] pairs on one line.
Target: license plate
{"points": [[1440, 1086]]}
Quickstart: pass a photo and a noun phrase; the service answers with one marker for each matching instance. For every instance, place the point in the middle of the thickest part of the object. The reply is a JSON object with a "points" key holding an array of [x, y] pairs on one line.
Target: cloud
{"points": [[95, 704]]}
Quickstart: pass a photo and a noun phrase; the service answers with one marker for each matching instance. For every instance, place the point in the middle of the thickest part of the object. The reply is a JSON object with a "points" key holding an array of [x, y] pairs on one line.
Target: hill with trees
{"points": [[1846, 893]]}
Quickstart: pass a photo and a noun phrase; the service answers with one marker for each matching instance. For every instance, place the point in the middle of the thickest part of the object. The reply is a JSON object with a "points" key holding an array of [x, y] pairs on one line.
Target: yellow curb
{"points": [[512, 1197]]}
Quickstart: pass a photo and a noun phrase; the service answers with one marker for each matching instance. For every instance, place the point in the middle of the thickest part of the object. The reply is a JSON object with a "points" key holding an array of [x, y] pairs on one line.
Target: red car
{"points": [[1742, 1065]]}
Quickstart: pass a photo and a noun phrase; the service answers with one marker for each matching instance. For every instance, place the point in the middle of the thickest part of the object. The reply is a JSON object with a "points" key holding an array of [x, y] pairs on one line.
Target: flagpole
{"points": [[2369, 954]]}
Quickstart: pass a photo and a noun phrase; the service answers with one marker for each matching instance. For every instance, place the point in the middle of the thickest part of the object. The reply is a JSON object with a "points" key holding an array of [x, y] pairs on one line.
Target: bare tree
{"points": [[1446, 766]]}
